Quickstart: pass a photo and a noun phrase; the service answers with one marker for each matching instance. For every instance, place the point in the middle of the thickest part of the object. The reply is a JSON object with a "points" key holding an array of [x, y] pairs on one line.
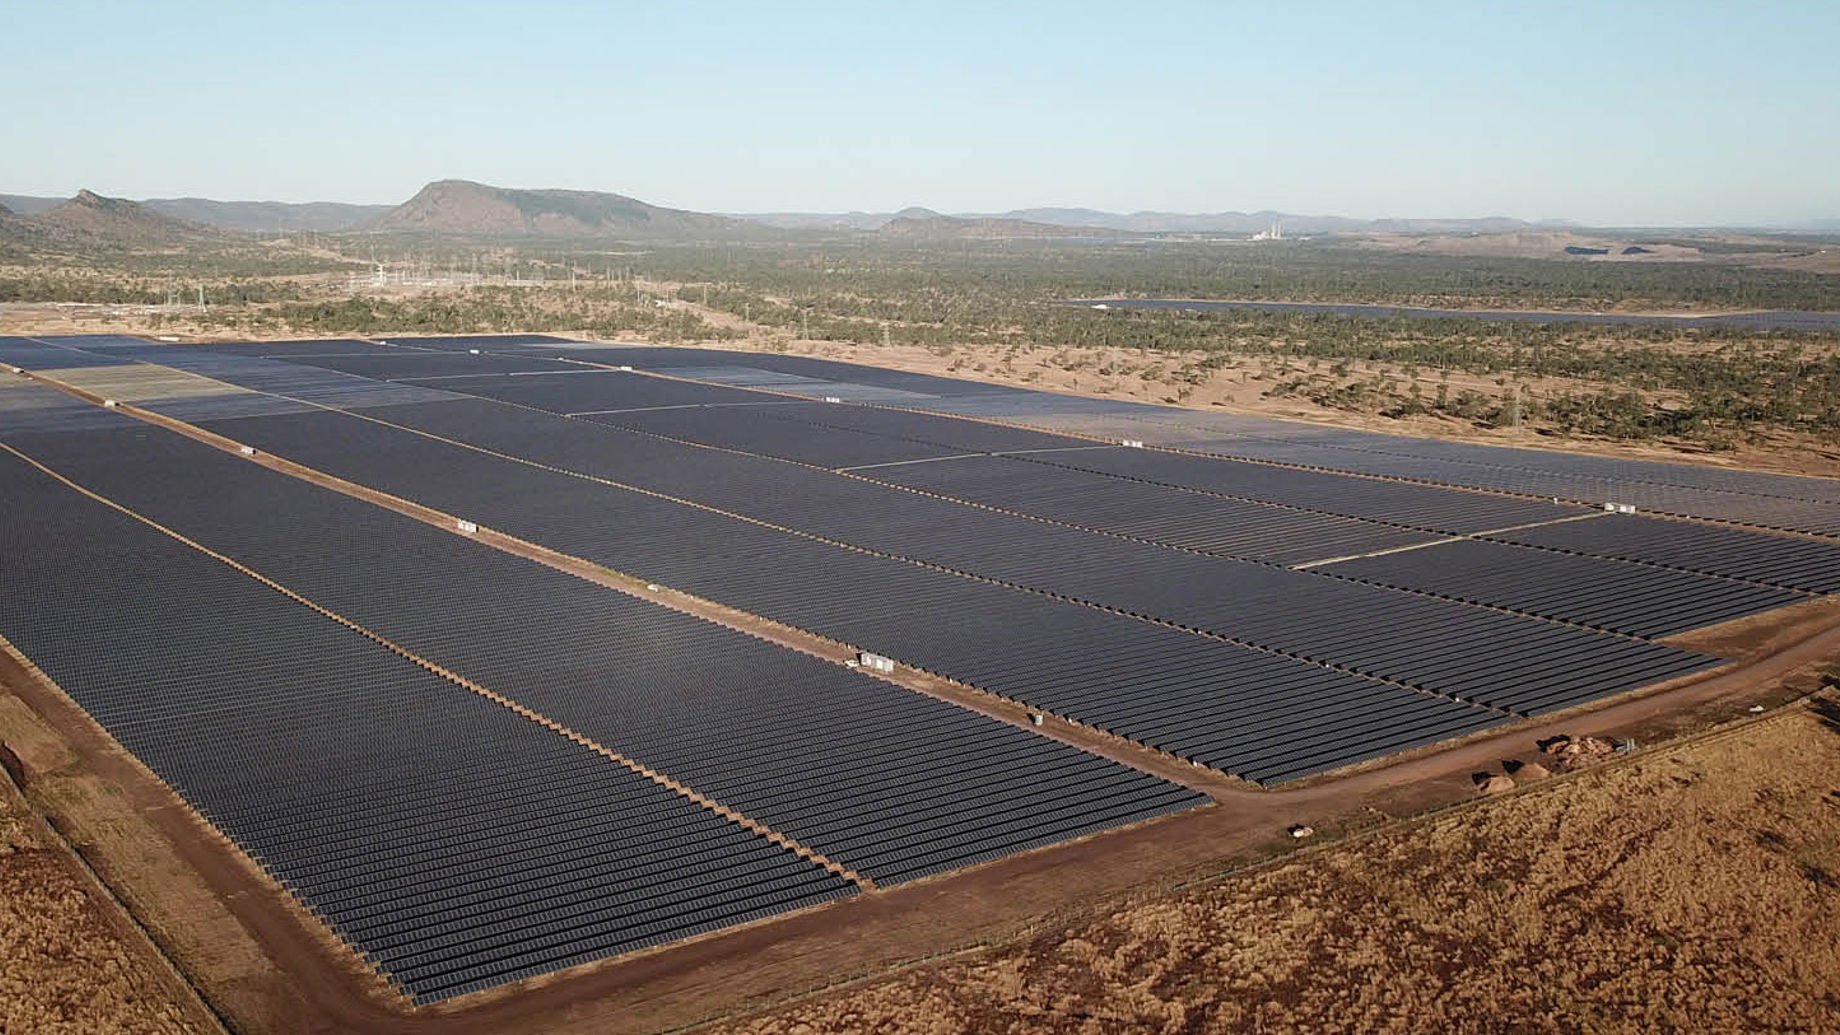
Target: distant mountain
{"points": [[462, 208], [91, 219], [932, 226], [248, 216], [1234, 223], [27, 205], [268, 216], [816, 220], [1254, 222]]}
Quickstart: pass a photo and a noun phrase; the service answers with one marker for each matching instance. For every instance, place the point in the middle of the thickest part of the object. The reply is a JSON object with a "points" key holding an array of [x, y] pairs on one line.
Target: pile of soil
{"points": [[1571, 753]]}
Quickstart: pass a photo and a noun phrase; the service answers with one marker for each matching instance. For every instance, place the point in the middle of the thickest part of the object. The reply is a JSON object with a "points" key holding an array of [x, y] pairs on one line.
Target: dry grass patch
{"points": [[66, 966]]}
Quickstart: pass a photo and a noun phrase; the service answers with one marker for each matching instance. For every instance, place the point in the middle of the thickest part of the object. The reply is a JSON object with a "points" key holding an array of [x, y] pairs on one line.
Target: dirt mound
{"points": [[1494, 783], [1571, 753]]}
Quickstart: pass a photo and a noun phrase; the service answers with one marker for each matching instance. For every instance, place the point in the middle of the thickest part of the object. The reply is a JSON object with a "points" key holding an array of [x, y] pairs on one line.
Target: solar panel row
{"points": [[1731, 553], [1819, 517], [1805, 564], [454, 843], [37, 355], [1641, 601]]}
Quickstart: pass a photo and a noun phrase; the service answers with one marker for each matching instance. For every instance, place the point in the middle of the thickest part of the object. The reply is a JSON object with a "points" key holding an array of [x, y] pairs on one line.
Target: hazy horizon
{"points": [[1693, 114]]}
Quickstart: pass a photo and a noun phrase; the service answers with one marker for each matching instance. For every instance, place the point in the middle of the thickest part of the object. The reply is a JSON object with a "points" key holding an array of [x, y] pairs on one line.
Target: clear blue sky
{"points": [[1608, 112]]}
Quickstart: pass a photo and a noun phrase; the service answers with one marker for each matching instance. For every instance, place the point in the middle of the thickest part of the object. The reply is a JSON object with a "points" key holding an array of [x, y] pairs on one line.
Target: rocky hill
{"points": [[90, 218], [461, 208], [91, 221]]}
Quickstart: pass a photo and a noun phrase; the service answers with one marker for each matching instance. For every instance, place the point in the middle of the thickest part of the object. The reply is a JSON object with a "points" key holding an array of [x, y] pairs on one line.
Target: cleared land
{"points": [[1694, 888], [143, 468]]}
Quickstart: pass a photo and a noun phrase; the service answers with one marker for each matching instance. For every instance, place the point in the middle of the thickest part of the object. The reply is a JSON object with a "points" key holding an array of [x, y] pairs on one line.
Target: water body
{"points": [[1770, 320]]}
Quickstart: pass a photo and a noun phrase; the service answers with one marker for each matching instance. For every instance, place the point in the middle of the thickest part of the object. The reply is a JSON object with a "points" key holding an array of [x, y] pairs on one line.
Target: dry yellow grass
{"points": [[1697, 888], [65, 964]]}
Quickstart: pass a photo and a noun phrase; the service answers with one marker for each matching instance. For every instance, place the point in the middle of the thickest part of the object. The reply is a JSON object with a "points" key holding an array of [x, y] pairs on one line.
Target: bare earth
{"points": [[1694, 888]]}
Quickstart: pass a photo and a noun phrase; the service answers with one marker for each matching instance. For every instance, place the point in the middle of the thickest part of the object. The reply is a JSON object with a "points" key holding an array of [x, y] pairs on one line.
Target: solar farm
{"points": [[507, 654]]}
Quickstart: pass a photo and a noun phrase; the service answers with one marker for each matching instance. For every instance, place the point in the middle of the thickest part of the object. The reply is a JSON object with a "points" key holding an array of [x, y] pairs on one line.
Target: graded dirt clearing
{"points": [[67, 962], [1693, 888]]}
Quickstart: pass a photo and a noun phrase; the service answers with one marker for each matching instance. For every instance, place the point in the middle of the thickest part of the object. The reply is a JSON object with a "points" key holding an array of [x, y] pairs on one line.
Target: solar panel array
{"points": [[1414, 505], [1293, 613], [1383, 501], [743, 721], [1266, 620], [1103, 571], [1445, 647], [1181, 693], [1733, 553], [454, 843], [1341, 528], [535, 853]]}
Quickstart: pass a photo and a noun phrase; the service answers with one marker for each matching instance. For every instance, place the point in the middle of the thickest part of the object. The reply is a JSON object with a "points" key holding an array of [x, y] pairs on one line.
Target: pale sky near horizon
{"points": [[1609, 113]]}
